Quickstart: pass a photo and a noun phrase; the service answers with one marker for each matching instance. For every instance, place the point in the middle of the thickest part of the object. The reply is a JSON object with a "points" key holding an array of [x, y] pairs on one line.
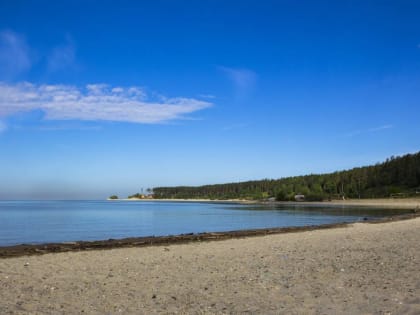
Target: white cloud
{"points": [[94, 102], [14, 54], [117, 90], [97, 89], [62, 57]]}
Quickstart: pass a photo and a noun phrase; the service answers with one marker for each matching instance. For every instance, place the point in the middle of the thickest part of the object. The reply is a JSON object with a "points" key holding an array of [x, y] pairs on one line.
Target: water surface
{"points": [[35, 222]]}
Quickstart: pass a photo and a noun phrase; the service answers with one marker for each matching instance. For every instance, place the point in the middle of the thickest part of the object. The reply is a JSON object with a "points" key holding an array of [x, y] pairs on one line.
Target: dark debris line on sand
{"points": [[25, 249]]}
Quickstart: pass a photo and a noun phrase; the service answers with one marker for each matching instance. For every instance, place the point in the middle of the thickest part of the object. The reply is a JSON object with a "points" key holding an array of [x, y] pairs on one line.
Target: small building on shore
{"points": [[299, 197]]}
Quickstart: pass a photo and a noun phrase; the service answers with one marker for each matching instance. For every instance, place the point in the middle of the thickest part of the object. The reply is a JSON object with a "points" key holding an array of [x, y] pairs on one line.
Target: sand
{"points": [[396, 203], [361, 269]]}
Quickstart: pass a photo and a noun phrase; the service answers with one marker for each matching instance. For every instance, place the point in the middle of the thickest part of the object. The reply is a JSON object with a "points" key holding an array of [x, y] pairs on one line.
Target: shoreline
{"points": [[406, 203], [412, 203], [151, 241], [361, 269], [227, 201]]}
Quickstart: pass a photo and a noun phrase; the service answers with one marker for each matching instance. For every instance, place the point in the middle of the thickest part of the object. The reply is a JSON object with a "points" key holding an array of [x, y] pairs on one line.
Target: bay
{"points": [[37, 222]]}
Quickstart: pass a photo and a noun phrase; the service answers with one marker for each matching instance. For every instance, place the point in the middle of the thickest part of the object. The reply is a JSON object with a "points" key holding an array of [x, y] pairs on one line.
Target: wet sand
{"points": [[360, 269]]}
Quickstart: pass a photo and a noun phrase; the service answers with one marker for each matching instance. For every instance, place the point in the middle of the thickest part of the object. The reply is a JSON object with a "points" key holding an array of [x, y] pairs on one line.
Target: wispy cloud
{"points": [[384, 127], [94, 102], [370, 130], [14, 54], [244, 80], [62, 57]]}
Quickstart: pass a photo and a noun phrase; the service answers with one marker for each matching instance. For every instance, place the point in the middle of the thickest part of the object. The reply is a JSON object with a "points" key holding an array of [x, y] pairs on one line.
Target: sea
{"points": [[38, 222]]}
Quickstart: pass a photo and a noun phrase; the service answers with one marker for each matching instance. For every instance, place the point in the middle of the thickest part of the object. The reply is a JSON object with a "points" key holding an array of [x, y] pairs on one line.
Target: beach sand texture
{"points": [[361, 269]]}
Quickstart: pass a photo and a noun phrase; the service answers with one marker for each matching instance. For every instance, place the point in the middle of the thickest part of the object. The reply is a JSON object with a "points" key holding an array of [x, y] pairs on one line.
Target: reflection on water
{"points": [[33, 222]]}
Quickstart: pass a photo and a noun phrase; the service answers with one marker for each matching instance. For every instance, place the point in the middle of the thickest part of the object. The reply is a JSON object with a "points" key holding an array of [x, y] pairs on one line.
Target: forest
{"points": [[397, 177]]}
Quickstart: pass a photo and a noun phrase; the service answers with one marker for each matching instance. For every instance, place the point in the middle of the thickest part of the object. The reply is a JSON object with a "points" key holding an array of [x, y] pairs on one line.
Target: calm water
{"points": [[33, 222]]}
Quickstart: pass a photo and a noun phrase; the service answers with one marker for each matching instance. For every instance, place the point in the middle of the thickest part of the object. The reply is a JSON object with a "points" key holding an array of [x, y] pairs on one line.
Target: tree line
{"points": [[396, 177]]}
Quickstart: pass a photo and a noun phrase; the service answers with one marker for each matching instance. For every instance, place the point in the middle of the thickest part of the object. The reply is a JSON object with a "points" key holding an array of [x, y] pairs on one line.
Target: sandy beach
{"points": [[396, 203], [361, 269]]}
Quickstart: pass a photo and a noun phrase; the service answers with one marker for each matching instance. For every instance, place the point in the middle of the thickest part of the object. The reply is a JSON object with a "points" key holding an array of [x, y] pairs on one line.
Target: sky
{"points": [[111, 97]]}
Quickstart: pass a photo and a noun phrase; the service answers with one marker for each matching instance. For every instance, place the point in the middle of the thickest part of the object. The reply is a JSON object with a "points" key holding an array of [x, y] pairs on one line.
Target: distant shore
{"points": [[230, 201], [409, 203], [406, 203]]}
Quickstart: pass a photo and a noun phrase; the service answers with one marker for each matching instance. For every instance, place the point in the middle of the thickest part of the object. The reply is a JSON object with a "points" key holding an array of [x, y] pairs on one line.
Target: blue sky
{"points": [[104, 97]]}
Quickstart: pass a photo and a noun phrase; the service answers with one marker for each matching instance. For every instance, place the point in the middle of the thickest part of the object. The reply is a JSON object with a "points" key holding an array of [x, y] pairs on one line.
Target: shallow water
{"points": [[35, 222]]}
